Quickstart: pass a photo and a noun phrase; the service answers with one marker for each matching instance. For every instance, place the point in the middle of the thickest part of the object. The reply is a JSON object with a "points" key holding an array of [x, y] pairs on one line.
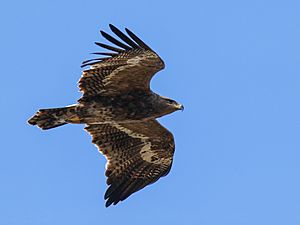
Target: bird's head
{"points": [[173, 105]]}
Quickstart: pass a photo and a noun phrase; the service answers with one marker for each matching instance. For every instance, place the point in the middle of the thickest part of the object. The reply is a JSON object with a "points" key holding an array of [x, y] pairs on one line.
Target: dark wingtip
{"points": [[114, 41], [109, 47], [104, 53], [131, 41], [103, 33], [108, 203], [90, 62], [111, 26], [137, 40], [123, 36]]}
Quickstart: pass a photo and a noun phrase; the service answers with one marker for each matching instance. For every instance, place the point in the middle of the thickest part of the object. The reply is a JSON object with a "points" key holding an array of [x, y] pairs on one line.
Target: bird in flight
{"points": [[120, 112]]}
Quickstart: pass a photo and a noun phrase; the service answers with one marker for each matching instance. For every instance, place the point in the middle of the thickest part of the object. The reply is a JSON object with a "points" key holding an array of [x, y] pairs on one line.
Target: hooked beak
{"points": [[180, 107]]}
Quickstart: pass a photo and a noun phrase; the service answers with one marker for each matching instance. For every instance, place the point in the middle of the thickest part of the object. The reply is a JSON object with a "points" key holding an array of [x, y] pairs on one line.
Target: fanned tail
{"points": [[51, 118]]}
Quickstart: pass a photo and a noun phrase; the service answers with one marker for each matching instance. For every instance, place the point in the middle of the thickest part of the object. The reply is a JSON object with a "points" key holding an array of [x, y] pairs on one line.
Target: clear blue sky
{"points": [[233, 64]]}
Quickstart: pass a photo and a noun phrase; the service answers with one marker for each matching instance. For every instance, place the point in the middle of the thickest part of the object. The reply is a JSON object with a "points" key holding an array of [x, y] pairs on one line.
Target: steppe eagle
{"points": [[120, 111]]}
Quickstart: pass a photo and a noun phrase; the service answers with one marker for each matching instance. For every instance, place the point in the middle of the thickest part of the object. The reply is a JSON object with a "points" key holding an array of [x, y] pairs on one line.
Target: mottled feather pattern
{"points": [[51, 118], [126, 169], [132, 68], [92, 83], [115, 75]]}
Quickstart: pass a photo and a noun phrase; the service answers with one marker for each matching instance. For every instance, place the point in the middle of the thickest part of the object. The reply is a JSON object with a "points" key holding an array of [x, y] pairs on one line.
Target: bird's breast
{"points": [[120, 108]]}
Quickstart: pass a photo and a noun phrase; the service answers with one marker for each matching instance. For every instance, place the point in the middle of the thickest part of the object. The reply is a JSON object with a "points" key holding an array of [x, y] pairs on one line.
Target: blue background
{"points": [[233, 64]]}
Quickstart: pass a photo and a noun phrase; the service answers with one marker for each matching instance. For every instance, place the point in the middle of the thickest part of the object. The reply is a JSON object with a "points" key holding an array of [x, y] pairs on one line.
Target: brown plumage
{"points": [[120, 111]]}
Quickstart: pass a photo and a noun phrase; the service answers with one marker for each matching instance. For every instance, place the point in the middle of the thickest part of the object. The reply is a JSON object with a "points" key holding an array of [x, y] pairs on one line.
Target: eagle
{"points": [[120, 112]]}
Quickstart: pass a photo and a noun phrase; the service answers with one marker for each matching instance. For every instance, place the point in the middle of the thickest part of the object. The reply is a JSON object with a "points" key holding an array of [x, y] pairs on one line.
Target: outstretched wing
{"points": [[137, 154], [127, 68]]}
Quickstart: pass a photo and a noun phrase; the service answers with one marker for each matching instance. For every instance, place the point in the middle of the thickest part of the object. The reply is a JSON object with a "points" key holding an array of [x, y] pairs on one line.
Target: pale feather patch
{"points": [[151, 156], [129, 132], [136, 60], [133, 62], [146, 152], [107, 79]]}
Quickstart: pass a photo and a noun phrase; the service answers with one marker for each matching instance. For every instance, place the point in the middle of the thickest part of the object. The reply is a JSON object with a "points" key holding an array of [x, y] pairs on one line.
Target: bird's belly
{"points": [[100, 113]]}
